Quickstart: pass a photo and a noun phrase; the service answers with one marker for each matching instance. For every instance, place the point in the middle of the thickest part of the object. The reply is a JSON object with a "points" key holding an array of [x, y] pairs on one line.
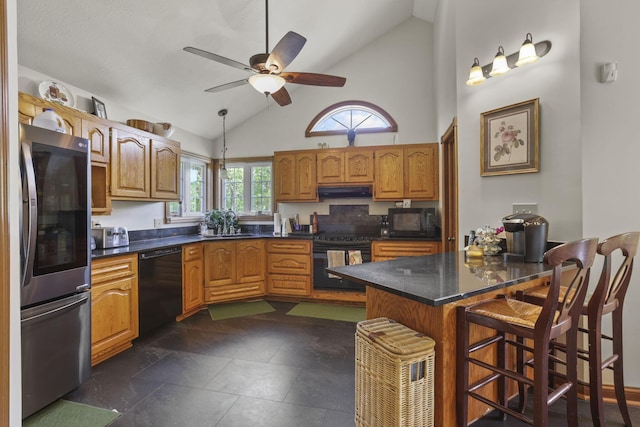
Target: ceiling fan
{"points": [[269, 76]]}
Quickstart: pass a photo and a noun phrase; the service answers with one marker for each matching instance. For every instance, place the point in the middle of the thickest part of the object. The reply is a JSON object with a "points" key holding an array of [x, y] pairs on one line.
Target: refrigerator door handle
{"points": [[56, 311], [30, 212]]}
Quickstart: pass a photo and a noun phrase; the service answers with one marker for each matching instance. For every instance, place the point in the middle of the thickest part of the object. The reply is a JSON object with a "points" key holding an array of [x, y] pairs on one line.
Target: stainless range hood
{"points": [[344, 192]]}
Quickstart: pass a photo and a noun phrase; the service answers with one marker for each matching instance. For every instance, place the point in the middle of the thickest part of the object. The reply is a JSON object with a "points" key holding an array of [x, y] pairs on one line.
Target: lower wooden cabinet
{"points": [[114, 305], [289, 267], [234, 270], [192, 278], [385, 250]]}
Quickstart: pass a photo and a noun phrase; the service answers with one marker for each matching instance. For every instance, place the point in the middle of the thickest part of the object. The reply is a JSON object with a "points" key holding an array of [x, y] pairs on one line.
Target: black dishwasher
{"points": [[159, 287]]}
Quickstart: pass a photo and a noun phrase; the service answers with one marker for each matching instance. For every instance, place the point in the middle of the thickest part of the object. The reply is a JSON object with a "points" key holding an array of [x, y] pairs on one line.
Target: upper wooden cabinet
{"points": [[143, 167], [131, 164], [346, 166], [295, 176], [407, 172], [29, 107], [97, 132]]}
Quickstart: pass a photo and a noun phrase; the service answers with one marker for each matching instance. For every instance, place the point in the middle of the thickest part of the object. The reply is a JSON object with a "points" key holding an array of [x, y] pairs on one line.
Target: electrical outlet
{"points": [[157, 223], [525, 208]]}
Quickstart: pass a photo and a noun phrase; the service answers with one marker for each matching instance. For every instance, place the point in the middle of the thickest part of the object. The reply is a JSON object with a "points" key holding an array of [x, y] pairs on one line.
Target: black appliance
{"points": [[322, 244], [526, 236], [344, 192], [412, 222], [159, 288], [55, 257]]}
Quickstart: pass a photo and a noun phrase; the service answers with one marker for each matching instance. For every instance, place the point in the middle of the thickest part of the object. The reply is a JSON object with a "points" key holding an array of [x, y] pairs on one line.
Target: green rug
{"points": [[329, 311], [64, 413], [239, 309]]}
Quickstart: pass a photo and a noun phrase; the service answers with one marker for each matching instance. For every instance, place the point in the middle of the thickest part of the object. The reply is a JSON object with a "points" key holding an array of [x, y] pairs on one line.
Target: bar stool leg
{"points": [[572, 376], [540, 384], [618, 371], [595, 370]]}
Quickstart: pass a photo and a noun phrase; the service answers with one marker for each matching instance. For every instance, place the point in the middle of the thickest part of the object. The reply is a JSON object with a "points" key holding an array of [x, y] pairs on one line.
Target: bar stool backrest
{"points": [[582, 253]]}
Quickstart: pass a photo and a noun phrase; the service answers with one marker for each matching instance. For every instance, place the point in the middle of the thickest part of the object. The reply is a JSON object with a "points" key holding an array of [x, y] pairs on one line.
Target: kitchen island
{"points": [[423, 293]]}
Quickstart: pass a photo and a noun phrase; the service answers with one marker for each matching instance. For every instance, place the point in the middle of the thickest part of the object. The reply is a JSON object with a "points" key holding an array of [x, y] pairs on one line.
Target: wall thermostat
{"points": [[609, 72]]}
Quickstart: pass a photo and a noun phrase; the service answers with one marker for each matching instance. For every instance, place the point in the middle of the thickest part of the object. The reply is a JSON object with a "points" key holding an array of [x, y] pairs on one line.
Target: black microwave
{"points": [[412, 222]]}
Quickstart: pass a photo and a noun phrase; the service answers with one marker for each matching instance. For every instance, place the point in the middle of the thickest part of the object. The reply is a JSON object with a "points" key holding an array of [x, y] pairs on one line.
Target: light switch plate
{"points": [[526, 208], [157, 223]]}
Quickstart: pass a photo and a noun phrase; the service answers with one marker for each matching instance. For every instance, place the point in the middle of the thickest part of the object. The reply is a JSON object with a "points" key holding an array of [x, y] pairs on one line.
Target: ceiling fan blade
{"points": [[227, 86], [282, 97], [313, 79], [285, 51], [218, 58]]}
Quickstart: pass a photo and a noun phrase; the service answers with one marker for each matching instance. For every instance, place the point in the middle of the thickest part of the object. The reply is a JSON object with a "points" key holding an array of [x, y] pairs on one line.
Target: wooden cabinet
{"points": [[130, 164], [97, 131], [234, 270], [345, 166], [114, 305], [29, 107], [165, 170], [289, 267], [382, 250], [407, 172], [192, 278], [295, 176]]}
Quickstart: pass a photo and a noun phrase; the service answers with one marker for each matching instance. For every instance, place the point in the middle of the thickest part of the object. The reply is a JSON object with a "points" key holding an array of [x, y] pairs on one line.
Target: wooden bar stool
{"points": [[607, 298], [538, 324]]}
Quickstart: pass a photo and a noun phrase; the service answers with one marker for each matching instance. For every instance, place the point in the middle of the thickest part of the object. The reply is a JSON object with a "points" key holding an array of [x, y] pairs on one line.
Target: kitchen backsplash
{"points": [[349, 219]]}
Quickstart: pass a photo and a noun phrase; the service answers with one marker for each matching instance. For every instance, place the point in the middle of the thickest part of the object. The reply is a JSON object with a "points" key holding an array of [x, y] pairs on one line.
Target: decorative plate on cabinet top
{"points": [[55, 92]]}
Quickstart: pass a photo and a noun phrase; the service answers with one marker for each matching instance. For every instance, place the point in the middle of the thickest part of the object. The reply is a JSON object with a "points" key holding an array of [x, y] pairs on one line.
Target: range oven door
{"points": [[322, 279]]}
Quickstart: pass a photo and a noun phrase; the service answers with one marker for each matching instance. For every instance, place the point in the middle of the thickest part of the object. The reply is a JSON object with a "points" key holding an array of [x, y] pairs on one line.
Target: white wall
{"points": [[480, 28], [610, 142]]}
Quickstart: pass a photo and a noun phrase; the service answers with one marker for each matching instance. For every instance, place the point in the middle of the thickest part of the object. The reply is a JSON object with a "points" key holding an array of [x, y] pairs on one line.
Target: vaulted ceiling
{"points": [[131, 52]]}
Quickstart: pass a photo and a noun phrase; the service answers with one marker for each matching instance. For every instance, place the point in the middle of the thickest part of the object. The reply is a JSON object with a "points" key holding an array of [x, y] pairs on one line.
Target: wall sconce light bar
{"points": [[542, 48]]}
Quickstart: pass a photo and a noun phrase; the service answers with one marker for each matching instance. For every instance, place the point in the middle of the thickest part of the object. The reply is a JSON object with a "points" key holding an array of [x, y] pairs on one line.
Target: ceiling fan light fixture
{"points": [[266, 83]]}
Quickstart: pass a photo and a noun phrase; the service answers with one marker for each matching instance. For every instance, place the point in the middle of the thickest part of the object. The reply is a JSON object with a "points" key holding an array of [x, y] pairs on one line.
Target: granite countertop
{"points": [[164, 242], [442, 278]]}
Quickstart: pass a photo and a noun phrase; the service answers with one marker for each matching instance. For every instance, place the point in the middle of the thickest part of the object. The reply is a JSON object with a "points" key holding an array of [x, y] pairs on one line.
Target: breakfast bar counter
{"points": [[423, 292]]}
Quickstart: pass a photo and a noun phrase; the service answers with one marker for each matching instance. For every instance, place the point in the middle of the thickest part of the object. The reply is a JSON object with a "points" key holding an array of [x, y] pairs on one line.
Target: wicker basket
{"points": [[394, 375]]}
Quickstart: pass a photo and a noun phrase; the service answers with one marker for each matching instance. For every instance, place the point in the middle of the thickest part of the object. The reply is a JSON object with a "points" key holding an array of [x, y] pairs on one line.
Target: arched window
{"points": [[349, 118]]}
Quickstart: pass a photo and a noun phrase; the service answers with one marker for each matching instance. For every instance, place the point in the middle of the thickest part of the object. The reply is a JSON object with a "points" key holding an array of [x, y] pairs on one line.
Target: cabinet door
{"points": [[165, 170], [383, 251], [284, 173], [307, 187], [358, 166], [389, 174], [192, 285], [250, 255], [421, 172], [330, 166], [130, 165], [114, 316], [98, 136], [220, 262]]}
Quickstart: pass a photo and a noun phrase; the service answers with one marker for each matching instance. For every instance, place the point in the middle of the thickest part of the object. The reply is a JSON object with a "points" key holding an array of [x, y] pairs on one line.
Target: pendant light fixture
{"points": [[500, 65], [224, 174], [527, 53]]}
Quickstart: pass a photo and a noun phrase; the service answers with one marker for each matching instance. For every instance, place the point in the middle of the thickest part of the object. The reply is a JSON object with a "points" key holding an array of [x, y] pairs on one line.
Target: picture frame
{"points": [[509, 139], [98, 108]]}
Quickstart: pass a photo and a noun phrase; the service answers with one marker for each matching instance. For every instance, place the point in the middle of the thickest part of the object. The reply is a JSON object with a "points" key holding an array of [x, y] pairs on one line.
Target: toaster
{"points": [[110, 237]]}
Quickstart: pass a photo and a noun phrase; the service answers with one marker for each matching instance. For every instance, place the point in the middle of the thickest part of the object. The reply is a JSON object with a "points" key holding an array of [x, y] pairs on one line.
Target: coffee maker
{"points": [[526, 236]]}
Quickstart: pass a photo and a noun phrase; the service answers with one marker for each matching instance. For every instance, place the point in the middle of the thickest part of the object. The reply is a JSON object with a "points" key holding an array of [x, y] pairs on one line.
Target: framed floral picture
{"points": [[509, 139]]}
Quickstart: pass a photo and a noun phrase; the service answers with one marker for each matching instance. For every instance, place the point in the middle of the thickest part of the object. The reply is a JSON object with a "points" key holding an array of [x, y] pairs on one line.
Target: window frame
{"points": [[244, 161], [208, 199], [309, 132]]}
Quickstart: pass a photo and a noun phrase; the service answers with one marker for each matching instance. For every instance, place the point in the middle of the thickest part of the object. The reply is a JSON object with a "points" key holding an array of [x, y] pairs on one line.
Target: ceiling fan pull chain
{"points": [[266, 9]]}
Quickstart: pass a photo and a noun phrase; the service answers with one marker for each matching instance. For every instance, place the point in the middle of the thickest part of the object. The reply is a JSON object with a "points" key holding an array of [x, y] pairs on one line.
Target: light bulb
{"points": [[500, 65]]}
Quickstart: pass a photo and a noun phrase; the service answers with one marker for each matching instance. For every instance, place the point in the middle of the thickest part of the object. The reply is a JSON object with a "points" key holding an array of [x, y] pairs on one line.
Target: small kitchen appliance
{"points": [[526, 236], [110, 237], [412, 222]]}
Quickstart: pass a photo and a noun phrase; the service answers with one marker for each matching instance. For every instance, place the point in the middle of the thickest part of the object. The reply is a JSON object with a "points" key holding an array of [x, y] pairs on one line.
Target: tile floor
{"points": [[269, 370]]}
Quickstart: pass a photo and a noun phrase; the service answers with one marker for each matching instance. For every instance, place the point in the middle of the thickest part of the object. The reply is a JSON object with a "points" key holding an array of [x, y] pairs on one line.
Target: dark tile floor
{"points": [[269, 370]]}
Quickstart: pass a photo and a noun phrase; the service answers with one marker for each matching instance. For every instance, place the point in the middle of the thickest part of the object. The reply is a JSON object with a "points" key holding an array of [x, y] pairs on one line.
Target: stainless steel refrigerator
{"points": [[56, 264]]}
